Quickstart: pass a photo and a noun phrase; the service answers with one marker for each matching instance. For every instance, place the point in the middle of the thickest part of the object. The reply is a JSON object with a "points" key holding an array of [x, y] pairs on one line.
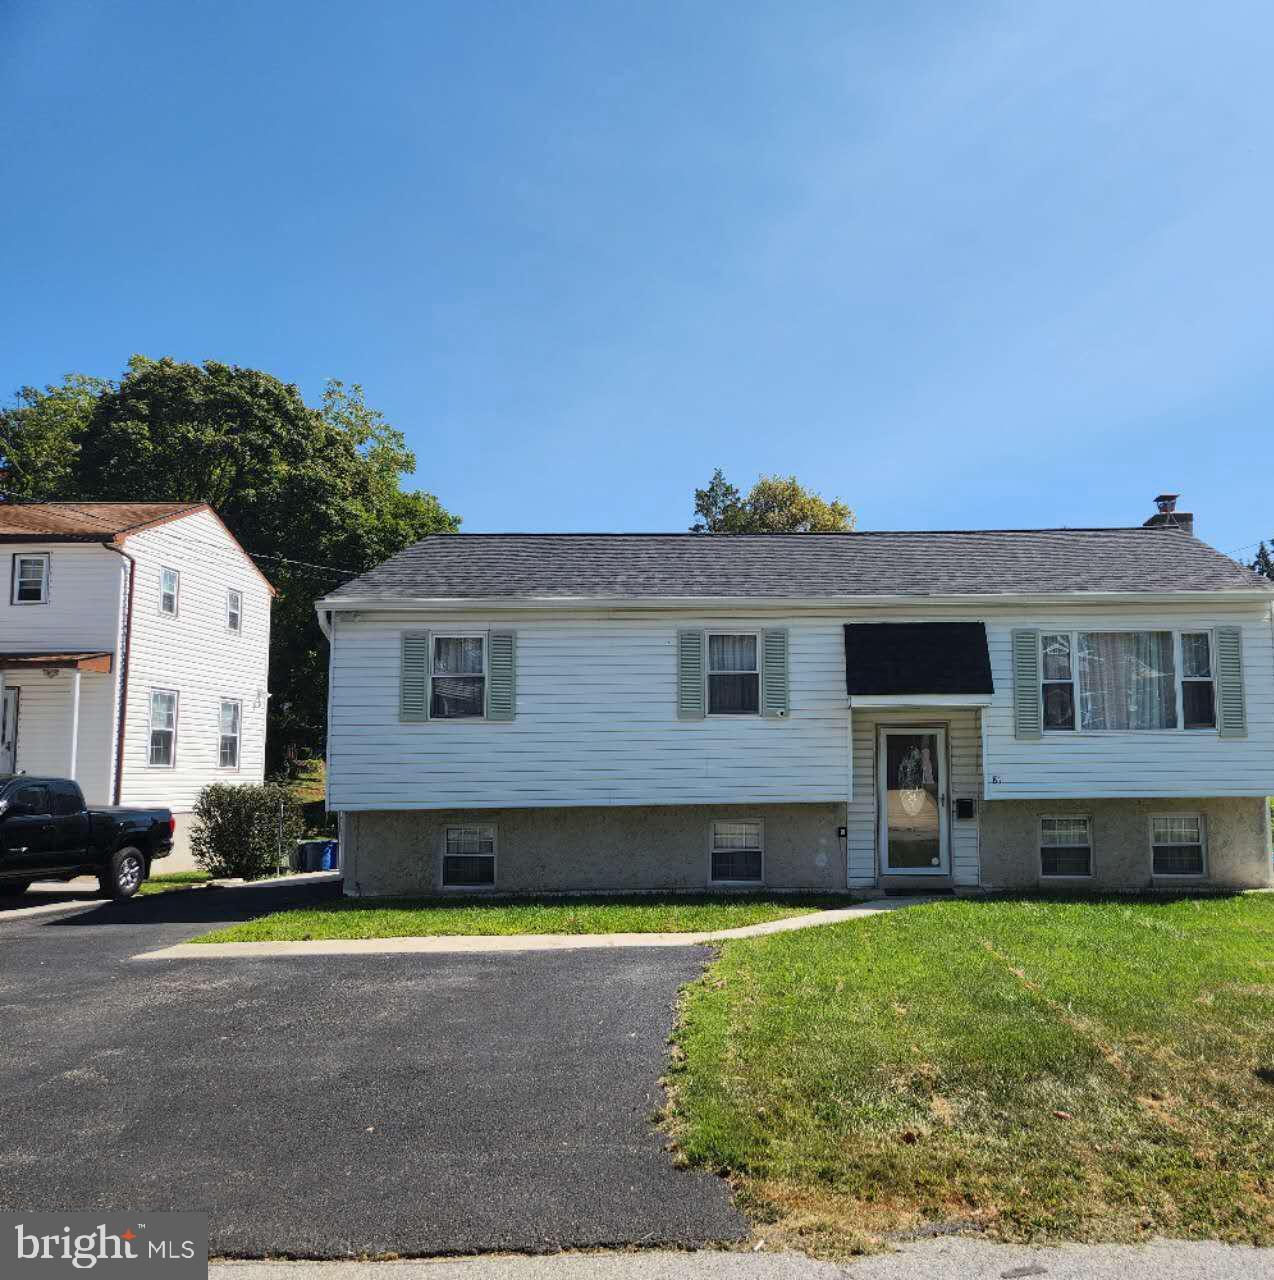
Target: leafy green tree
{"points": [[775, 504], [40, 436], [1264, 562], [313, 493]]}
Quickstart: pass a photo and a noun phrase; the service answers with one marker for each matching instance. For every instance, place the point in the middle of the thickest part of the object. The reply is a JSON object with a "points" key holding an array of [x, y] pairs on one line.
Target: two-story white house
{"points": [[975, 710], [134, 652]]}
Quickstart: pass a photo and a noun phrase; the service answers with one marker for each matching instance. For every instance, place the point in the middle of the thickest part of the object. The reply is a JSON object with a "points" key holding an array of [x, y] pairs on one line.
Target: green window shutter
{"points": [[774, 667], [1027, 714], [691, 680], [413, 677], [502, 676], [1231, 705]]}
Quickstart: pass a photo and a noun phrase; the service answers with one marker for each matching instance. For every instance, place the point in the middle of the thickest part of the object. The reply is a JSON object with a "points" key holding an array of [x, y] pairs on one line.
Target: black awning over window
{"points": [[917, 658]]}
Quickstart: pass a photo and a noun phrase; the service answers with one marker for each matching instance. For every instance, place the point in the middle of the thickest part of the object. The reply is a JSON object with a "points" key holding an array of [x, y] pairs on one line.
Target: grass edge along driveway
{"points": [[1038, 1070], [435, 917]]}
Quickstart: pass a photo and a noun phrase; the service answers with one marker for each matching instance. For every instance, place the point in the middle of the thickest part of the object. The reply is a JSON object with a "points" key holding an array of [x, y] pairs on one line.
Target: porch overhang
{"points": [[925, 663], [95, 660]]}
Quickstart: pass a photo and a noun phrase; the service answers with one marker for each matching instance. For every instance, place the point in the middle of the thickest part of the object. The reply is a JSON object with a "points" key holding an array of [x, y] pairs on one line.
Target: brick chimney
{"points": [[1166, 513]]}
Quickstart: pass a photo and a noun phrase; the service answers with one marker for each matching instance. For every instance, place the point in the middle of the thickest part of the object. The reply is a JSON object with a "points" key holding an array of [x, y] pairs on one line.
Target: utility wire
{"points": [[22, 499]]}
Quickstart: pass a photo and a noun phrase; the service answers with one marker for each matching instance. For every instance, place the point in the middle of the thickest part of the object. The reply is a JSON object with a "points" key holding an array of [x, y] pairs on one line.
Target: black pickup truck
{"points": [[47, 832]]}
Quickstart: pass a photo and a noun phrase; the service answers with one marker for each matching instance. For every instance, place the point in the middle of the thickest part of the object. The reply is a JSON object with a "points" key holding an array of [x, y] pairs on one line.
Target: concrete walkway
{"points": [[946, 1259], [470, 944]]}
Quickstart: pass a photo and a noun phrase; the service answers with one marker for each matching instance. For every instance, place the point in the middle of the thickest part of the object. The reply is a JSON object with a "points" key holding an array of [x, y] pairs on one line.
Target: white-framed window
{"points": [[169, 590], [1178, 845], [468, 857], [1126, 681], [229, 733], [458, 677], [30, 584], [234, 611], [734, 679], [1066, 846], [737, 852], [1198, 689], [163, 729]]}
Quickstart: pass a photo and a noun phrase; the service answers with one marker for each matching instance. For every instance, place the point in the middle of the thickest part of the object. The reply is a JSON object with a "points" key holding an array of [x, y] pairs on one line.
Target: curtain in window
{"points": [[1127, 680], [732, 653], [458, 656]]}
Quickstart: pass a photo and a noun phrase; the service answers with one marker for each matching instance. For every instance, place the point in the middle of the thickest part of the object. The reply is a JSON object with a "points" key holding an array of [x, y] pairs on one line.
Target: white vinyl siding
{"points": [[200, 658], [82, 611], [1133, 763], [596, 722], [44, 728]]}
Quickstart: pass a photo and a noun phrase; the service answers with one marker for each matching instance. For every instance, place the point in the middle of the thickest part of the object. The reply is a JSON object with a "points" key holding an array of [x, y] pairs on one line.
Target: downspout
{"points": [[125, 660]]}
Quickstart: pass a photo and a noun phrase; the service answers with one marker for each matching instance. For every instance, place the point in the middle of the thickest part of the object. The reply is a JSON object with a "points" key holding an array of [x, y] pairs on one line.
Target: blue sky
{"points": [[961, 264]]}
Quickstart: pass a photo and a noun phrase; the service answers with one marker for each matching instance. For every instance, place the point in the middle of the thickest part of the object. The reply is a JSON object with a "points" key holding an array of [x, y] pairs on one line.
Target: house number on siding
{"points": [[996, 779]]}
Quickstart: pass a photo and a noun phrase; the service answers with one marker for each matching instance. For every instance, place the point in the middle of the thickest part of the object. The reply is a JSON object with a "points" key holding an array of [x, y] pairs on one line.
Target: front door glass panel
{"points": [[912, 792]]}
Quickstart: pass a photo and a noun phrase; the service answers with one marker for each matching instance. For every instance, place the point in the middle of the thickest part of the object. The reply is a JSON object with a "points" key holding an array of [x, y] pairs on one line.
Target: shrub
{"points": [[237, 830]]}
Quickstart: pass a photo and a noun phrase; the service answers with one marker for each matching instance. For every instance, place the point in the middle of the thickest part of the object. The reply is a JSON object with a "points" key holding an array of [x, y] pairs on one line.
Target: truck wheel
{"points": [[126, 872]]}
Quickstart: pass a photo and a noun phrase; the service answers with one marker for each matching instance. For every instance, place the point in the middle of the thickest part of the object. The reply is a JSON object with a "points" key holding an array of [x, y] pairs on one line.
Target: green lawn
{"points": [[427, 917], [174, 880], [1074, 1070]]}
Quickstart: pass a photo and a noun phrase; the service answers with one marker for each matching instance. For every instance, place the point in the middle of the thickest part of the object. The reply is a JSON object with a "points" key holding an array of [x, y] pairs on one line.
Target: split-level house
{"points": [[134, 652], [974, 710]]}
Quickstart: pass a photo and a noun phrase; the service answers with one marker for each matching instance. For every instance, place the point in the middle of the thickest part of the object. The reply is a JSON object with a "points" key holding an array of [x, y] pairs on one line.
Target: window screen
{"points": [[1177, 845], [469, 859], [1066, 847], [736, 851]]}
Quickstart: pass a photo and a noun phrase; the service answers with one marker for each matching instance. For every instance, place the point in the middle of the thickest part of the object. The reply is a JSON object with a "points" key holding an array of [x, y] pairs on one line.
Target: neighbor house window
{"points": [[163, 727], [1066, 846], [228, 746], [1176, 844], [468, 861], [1126, 680], [1198, 694], [734, 683], [737, 852], [30, 580], [234, 611], [458, 684], [169, 584]]}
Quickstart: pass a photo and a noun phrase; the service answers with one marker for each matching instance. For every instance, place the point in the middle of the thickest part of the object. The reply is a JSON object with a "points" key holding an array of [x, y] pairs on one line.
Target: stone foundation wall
{"points": [[597, 848], [1237, 834]]}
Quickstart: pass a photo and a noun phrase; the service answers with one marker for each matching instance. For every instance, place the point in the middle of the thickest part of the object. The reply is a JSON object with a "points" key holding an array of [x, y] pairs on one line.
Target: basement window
{"points": [[468, 860], [1177, 845], [738, 853], [1066, 847]]}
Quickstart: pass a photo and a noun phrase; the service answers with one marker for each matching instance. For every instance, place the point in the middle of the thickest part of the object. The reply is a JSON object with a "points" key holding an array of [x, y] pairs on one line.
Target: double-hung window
{"points": [[1099, 681], [163, 728], [169, 586], [734, 681], [30, 579], [1066, 846], [468, 860], [458, 678], [737, 852], [230, 733], [1177, 844], [234, 611]]}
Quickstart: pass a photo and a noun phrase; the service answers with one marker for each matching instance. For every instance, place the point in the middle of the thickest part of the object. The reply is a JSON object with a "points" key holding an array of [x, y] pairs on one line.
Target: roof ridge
{"points": [[831, 533]]}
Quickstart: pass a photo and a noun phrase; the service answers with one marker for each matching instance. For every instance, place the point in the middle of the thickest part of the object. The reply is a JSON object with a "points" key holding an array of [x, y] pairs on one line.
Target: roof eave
{"points": [[446, 604]]}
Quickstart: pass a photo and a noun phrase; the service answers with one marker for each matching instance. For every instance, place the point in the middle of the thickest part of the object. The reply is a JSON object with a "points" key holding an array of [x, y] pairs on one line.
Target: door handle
{"points": [[13, 848]]}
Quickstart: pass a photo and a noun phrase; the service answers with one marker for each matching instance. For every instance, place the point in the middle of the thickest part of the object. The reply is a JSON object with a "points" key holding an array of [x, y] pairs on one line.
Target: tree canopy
{"points": [[775, 504], [315, 485]]}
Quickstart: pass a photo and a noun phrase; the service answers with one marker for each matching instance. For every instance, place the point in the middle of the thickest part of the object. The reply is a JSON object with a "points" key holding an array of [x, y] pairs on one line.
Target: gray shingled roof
{"points": [[775, 566]]}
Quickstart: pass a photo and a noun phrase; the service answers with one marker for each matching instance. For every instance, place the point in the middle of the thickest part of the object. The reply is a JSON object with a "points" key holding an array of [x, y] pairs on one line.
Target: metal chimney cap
{"points": [[1167, 502]]}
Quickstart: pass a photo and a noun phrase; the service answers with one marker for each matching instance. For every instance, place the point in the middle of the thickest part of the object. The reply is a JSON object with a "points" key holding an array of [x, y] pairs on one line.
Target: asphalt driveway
{"points": [[329, 1106]]}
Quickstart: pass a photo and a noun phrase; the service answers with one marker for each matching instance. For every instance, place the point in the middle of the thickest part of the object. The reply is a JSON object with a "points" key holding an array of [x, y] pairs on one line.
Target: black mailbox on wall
{"points": [[965, 809]]}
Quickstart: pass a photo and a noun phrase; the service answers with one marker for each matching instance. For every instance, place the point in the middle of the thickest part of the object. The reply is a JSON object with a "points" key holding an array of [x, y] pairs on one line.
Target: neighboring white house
{"points": [[134, 652], [867, 711]]}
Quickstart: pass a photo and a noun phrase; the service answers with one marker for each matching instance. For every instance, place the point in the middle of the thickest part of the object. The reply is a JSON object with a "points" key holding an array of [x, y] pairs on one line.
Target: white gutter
{"points": [[381, 604]]}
